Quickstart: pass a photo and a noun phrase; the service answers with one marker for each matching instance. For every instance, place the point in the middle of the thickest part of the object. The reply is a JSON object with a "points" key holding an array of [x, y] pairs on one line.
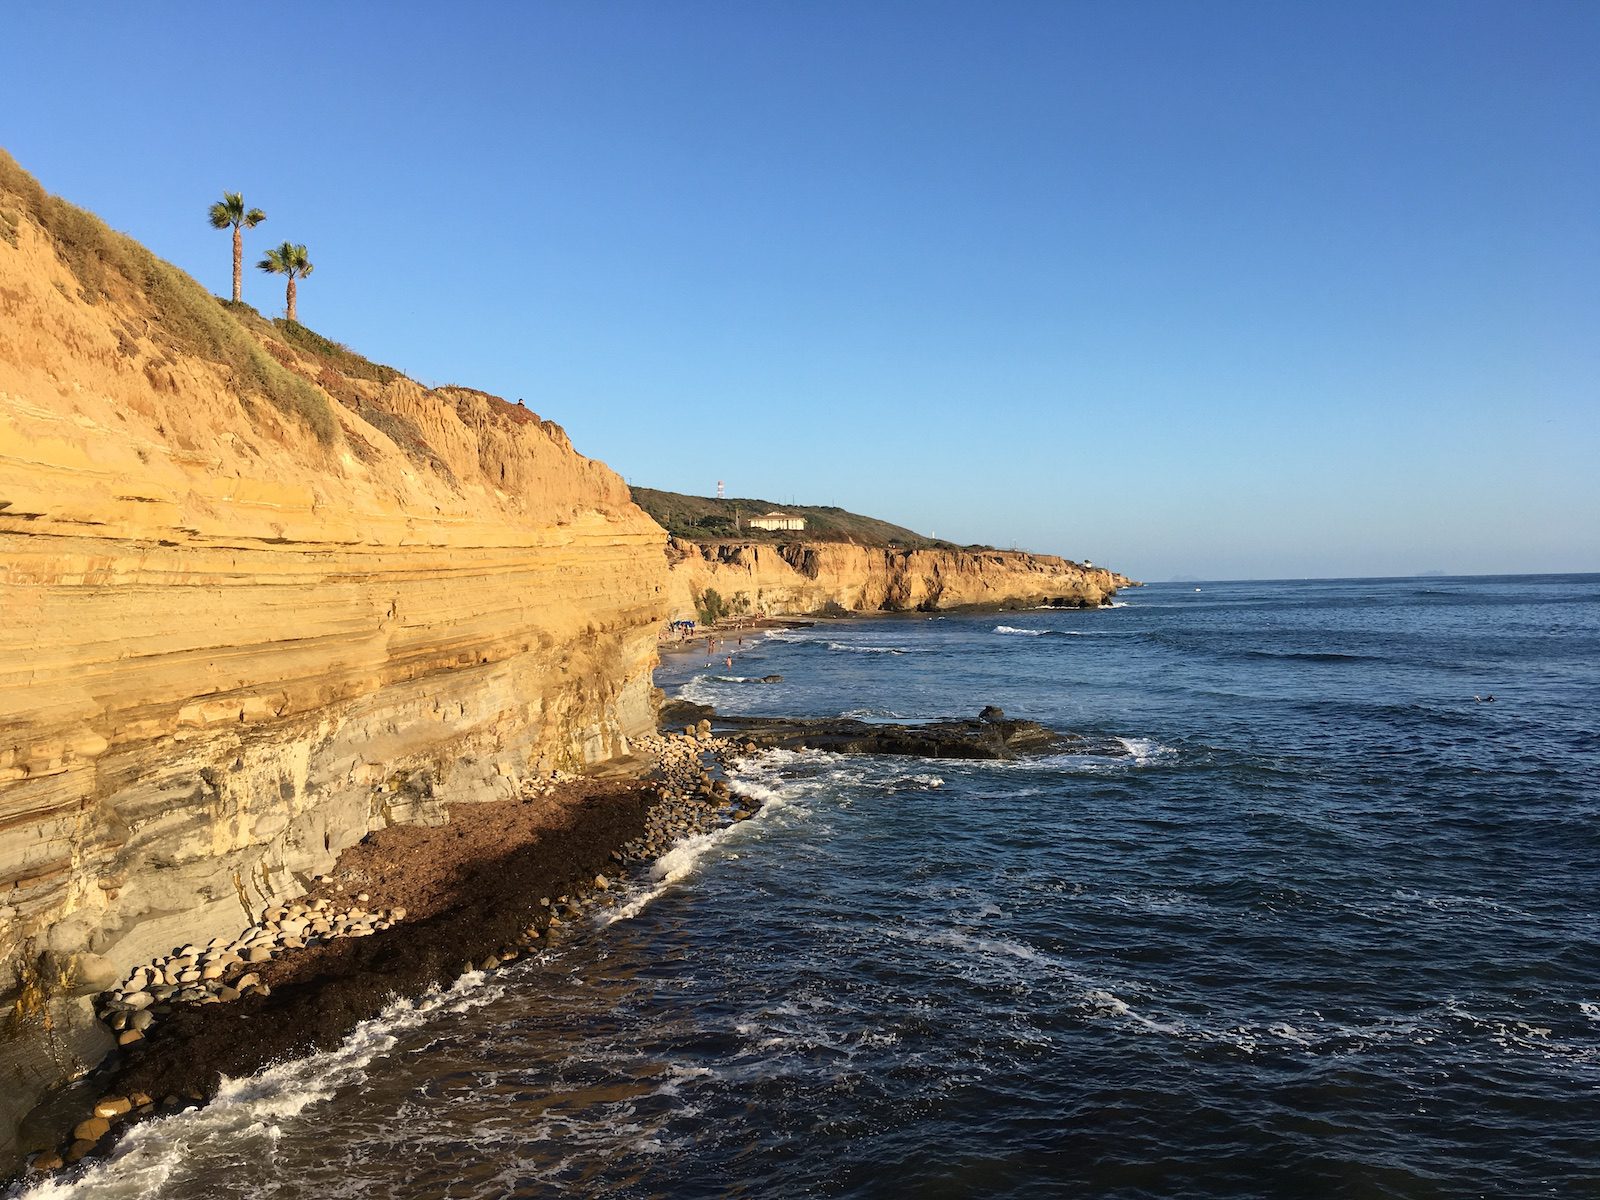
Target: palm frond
{"points": [[287, 259], [278, 260], [230, 210]]}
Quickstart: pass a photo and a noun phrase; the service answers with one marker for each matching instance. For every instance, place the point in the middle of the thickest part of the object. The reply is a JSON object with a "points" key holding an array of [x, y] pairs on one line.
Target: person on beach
{"points": [[729, 662]]}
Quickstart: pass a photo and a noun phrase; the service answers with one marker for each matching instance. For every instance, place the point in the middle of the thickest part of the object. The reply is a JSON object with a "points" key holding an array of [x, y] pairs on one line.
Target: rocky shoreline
{"points": [[415, 907], [409, 908]]}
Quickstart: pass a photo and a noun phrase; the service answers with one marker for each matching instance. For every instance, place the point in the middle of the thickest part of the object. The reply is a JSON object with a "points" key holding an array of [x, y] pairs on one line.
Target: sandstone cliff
{"points": [[259, 597], [810, 577]]}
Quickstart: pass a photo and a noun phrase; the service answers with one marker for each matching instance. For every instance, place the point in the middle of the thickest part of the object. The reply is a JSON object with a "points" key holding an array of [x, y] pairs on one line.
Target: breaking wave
{"points": [[1015, 631]]}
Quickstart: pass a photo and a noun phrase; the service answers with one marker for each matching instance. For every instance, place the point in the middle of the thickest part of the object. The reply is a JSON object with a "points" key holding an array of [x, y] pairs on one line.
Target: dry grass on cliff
{"points": [[329, 352], [183, 318]]}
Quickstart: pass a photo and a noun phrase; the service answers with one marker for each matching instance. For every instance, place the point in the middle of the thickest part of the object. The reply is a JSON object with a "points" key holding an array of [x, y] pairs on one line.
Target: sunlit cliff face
{"points": [[235, 639]]}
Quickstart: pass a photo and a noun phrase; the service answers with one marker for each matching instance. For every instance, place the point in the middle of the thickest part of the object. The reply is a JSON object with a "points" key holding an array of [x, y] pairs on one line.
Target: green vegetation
{"points": [[710, 607], [292, 261], [181, 317], [231, 212], [333, 353], [704, 519]]}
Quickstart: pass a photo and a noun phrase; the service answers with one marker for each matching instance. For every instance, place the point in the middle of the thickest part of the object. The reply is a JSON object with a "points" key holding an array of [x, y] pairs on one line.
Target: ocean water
{"points": [[1328, 929]]}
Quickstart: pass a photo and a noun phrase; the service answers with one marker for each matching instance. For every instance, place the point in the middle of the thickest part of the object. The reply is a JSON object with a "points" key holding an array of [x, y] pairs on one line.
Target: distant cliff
{"points": [[809, 577], [259, 596]]}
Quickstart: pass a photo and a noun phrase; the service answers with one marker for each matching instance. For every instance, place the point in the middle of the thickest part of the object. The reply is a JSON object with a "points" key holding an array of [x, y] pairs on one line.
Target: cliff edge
{"points": [[258, 597]]}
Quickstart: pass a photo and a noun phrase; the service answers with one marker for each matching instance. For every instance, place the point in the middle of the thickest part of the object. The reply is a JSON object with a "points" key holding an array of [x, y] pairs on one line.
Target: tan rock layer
{"points": [[800, 578]]}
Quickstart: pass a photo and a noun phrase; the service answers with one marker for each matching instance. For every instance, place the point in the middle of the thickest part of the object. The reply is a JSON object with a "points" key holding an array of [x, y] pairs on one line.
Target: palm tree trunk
{"points": [[292, 316], [238, 262]]}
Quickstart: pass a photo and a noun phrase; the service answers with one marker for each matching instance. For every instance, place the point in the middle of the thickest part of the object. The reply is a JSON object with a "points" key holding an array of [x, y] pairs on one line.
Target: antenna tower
{"points": [[721, 494]]}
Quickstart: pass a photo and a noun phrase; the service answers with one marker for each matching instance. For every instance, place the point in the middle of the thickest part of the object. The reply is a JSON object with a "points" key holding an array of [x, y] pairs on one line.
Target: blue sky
{"points": [[1219, 290]]}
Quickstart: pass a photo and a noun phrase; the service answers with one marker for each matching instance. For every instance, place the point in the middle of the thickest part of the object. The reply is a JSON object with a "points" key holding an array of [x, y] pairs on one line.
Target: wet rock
{"points": [[967, 739], [679, 713], [92, 1130], [112, 1106]]}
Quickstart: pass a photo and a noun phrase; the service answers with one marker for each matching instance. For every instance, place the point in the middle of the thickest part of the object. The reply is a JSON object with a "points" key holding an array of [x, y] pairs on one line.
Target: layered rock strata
{"points": [[259, 597], [799, 577]]}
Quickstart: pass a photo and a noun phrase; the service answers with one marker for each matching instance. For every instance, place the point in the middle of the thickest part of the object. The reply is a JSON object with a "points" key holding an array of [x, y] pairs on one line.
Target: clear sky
{"points": [[1208, 289]]}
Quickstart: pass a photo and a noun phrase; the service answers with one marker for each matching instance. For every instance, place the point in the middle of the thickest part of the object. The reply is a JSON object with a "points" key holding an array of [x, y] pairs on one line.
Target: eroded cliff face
{"points": [[236, 636], [799, 578]]}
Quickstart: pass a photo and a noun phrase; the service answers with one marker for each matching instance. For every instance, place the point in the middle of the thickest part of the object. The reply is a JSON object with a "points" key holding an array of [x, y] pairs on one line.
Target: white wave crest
{"points": [[698, 690], [1145, 751], [795, 635], [1022, 632], [754, 778], [1140, 753], [852, 648], [247, 1114]]}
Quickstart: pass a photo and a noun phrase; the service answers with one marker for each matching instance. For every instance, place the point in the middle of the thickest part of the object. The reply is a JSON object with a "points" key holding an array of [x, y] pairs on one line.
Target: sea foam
{"points": [[247, 1114]]}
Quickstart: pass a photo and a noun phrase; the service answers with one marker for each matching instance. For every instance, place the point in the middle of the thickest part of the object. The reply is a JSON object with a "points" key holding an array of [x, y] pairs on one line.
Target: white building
{"points": [[778, 520]]}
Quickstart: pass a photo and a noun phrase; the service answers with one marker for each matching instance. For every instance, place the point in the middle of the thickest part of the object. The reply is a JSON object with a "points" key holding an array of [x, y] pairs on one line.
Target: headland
{"points": [[272, 609]]}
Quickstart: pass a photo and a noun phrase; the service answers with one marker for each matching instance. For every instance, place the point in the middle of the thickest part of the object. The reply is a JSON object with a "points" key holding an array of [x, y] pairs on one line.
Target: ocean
{"points": [[1327, 929]]}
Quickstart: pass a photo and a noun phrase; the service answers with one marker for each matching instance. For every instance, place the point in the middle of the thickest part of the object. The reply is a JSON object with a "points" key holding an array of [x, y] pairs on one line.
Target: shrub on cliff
{"points": [[710, 608]]}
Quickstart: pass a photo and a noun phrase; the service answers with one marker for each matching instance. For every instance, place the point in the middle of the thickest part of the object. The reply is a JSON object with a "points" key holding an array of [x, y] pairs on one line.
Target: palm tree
{"points": [[288, 259], [230, 210]]}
